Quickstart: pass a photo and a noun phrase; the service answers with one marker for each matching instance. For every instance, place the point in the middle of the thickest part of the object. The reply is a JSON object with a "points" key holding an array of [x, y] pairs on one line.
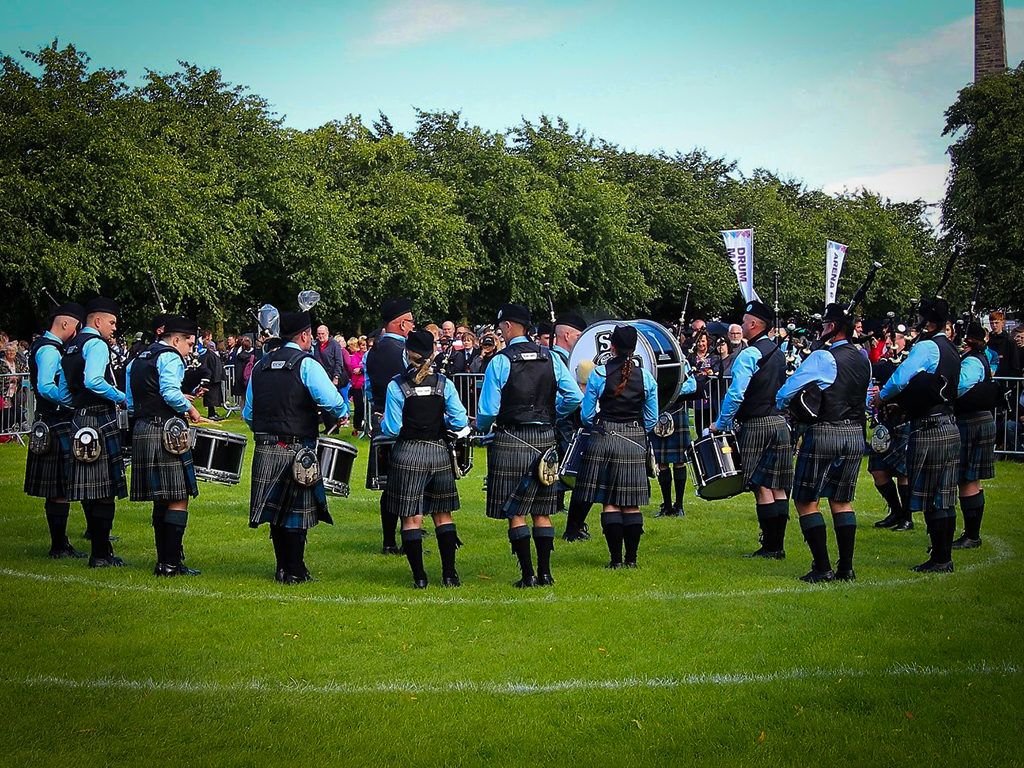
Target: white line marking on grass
{"points": [[513, 687], [1001, 552]]}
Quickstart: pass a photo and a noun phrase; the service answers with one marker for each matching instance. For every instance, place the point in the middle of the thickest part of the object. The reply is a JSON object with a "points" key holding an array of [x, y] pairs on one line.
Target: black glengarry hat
{"points": [[179, 324], [514, 313], [759, 310], [394, 308], [835, 313], [934, 311], [420, 342], [103, 304], [573, 320], [294, 323], [161, 320], [624, 339], [69, 309], [975, 331]]}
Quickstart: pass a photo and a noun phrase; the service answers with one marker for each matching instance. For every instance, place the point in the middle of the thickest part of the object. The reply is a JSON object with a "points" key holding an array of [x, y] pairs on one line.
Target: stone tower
{"points": [[989, 38]]}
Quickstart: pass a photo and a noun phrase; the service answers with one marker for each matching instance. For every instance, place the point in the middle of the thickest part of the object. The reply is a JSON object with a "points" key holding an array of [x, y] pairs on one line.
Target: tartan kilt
{"points": [[977, 446], [672, 449], [894, 460], [614, 469], [420, 479], [46, 474], [828, 462], [275, 497], [766, 452], [512, 485], [103, 478], [156, 474], [933, 458]]}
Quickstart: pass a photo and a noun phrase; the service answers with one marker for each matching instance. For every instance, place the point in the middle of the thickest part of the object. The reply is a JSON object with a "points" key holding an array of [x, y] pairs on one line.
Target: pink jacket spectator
{"points": [[355, 360]]}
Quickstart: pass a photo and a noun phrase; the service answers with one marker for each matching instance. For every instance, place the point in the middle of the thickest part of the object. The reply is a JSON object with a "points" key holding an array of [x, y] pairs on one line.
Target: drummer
{"points": [[761, 431], [670, 439], [621, 405], [421, 480]]}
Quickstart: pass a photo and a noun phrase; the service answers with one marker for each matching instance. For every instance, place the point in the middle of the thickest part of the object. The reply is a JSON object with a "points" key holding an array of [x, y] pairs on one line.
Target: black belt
{"points": [[934, 420], [603, 422]]}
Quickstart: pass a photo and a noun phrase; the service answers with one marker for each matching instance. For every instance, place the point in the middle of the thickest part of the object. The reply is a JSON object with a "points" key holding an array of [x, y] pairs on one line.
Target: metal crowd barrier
{"points": [[1010, 417], [17, 406], [232, 402], [467, 386]]}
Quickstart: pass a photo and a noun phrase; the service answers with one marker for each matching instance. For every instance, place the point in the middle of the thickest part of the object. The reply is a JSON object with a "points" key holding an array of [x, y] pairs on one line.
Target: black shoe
{"points": [[165, 569], [613, 566], [666, 511], [543, 580], [814, 576], [451, 581], [768, 554], [678, 511], [184, 570], [67, 551], [903, 525], [290, 579], [932, 567], [279, 576], [107, 562], [111, 538], [215, 417], [576, 535], [889, 520], [391, 549], [525, 582], [964, 542], [629, 564], [419, 583], [846, 575]]}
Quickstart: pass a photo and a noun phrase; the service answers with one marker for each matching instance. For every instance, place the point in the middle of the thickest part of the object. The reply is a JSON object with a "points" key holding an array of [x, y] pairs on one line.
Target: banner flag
{"points": [[835, 254], [739, 247]]}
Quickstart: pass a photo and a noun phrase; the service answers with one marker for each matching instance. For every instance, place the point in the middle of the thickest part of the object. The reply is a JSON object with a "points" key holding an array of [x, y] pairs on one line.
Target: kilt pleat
{"points": [[977, 446], [46, 475], [894, 460], [420, 479], [614, 469], [156, 474], [512, 485], [933, 459], [766, 452], [105, 477], [672, 449], [275, 497], [828, 462]]}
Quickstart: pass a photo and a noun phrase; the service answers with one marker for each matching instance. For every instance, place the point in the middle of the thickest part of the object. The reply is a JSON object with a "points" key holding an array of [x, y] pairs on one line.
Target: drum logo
{"points": [[603, 342]]}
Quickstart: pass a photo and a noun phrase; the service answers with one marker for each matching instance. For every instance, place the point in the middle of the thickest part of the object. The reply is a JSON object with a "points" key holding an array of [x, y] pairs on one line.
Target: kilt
{"points": [[275, 497], [933, 458], [420, 479], [977, 446], [893, 461], [512, 485], [156, 474], [46, 475], [766, 452], [672, 449], [828, 462], [103, 478], [614, 469]]}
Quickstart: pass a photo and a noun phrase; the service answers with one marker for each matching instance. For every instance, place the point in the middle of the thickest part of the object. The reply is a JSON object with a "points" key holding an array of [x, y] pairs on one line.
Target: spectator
{"points": [[12, 394], [357, 381], [469, 348], [707, 367], [330, 355], [448, 330], [1001, 343], [243, 369], [488, 348]]}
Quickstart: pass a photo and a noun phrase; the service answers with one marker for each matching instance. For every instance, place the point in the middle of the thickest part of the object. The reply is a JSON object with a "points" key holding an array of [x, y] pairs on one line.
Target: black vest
{"points": [[932, 394], [281, 404], [73, 364], [423, 412], [44, 407], [383, 362], [528, 396], [147, 401], [984, 395], [759, 399], [845, 397], [629, 406]]}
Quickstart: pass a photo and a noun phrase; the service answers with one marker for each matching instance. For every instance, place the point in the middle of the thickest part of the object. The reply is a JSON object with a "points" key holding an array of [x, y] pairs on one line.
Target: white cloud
{"points": [[953, 45], [902, 185]]}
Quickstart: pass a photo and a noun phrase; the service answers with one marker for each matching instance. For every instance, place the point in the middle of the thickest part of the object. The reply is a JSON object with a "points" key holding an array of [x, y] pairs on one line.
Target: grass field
{"points": [[699, 657]]}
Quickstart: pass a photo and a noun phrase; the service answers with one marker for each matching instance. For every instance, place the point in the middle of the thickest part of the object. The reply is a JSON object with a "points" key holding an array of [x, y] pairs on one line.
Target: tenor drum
{"points": [[379, 462], [217, 455], [336, 458], [656, 350], [717, 469], [573, 461]]}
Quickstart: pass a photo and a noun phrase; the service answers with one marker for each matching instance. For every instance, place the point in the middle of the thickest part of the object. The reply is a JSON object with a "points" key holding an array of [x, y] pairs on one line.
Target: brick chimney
{"points": [[989, 38]]}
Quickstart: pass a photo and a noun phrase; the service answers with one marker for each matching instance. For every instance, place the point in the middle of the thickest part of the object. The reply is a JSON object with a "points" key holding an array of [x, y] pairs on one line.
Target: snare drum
{"points": [[336, 458], [217, 455], [379, 462], [573, 461], [717, 469]]}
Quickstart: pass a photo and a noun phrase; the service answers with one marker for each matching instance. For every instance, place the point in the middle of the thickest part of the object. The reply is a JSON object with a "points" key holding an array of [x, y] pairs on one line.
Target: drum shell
{"points": [[379, 462], [717, 468], [336, 458], [573, 460], [218, 456]]}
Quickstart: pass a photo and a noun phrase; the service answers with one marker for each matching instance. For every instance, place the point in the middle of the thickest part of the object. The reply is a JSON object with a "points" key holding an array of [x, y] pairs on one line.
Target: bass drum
{"points": [[657, 351]]}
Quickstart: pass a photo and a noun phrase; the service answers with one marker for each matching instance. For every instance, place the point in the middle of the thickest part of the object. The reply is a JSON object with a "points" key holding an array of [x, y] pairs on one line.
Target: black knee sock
{"points": [[57, 522], [973, 508], [611, 525], [679, 474], [544, 541], [519, 538], [295, 546], [389, 526], [775, 540], [765, 521], [277, 537], [447, 544], [813, 526], [632, 530], [891, 496], [173, 536], [945, 530], [561, 500], [904, 492], [846, 534], [102, 521], [577, 517], [412, 543], [665, 483], [159, 532]]}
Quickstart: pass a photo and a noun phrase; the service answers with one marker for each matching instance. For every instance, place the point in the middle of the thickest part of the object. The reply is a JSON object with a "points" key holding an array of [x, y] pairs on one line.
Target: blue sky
{"points": [[839, 93]]}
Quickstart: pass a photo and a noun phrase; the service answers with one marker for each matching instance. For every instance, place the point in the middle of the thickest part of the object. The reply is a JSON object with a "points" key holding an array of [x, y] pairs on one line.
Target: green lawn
{"points": [[698, 657]]}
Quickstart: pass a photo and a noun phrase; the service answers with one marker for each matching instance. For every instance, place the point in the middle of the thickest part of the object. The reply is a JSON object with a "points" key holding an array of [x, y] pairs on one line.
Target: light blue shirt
{"points": [[595, 388], [367, 386], [689, 385], [743, 370], [170, 371], [454, 411], [819, 368], [923, 357], [972, 372], [51, 382], [567, 399], [97, 363], [316, 381]]}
